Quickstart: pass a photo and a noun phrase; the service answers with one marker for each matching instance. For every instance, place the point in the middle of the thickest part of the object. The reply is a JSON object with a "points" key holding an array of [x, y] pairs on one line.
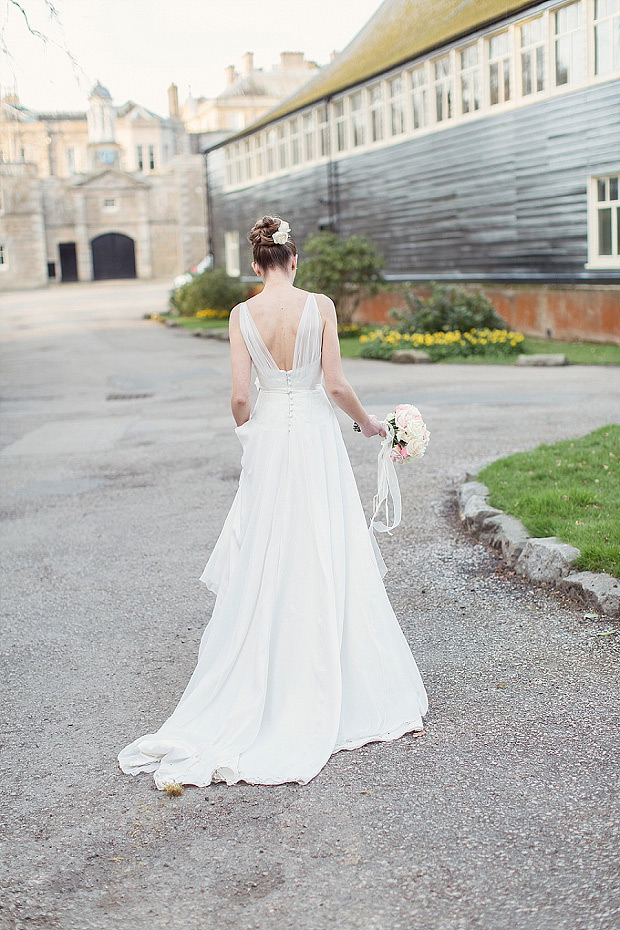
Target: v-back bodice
{"points": [[306, 373]]}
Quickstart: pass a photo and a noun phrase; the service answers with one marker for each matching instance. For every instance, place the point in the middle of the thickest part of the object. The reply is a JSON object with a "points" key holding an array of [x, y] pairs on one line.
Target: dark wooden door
{"points": [[68, 261], [114, 256]]}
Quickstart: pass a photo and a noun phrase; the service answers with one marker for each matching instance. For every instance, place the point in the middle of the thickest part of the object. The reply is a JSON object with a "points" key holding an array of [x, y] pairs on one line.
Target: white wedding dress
{"points": [[303, 655]]}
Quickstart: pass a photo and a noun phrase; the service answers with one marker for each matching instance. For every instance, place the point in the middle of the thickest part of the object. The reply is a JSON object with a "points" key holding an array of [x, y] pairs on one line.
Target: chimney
{"points": [[231, 74], [291, 60], [173, 100], [248, 62]]}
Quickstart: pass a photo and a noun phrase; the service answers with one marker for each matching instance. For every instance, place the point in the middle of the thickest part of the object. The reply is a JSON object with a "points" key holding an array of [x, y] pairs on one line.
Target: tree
{"points": [[346, 269]]}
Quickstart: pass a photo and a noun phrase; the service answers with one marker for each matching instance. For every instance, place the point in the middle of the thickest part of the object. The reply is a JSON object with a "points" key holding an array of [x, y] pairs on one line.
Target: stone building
{"points": [[113, 192], [247, 94]]}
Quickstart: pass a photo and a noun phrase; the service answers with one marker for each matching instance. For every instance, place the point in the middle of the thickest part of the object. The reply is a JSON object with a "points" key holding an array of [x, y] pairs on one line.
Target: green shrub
{"points": [[346, 269], [213, 289], [448, 307]]}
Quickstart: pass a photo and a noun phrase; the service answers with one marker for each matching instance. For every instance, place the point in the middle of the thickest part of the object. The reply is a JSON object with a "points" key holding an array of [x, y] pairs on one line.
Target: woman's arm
{"points": [[336, 384], [241, 370]]}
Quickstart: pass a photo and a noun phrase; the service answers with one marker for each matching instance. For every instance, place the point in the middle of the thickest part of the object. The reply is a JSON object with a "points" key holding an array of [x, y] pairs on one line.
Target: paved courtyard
{"points": [[119, 465]]}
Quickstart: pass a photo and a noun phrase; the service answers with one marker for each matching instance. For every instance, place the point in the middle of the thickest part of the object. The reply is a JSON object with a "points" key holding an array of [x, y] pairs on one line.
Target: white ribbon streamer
{"points": [[387, 487]]}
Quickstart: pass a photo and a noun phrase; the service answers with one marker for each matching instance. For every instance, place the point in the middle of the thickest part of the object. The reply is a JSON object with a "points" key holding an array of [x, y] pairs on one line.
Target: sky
{"points": [[136, 48]]}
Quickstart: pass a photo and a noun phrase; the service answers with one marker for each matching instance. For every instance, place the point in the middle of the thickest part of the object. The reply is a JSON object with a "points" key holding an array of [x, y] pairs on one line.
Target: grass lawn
{"points": [[577, 353], [570, 489], [193, 322]]}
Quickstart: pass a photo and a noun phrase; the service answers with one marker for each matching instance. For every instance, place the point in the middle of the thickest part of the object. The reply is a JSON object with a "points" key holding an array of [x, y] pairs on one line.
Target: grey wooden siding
{"points": [[503, 195]]}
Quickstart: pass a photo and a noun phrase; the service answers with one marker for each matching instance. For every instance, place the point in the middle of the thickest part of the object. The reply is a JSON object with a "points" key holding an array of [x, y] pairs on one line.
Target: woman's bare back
{"points": [[276, 313]]}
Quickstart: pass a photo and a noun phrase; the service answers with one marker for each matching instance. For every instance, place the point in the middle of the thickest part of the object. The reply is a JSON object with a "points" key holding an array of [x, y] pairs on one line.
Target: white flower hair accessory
{"points": [[281, 234]]}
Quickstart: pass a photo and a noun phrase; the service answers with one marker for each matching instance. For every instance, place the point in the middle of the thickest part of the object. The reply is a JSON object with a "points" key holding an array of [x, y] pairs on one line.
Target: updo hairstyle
{"points": [[266, 253]]}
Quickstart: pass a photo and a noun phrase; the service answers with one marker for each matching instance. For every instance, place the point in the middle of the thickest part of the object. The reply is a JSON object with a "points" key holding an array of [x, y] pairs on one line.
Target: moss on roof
{"points": [[400, 30]]}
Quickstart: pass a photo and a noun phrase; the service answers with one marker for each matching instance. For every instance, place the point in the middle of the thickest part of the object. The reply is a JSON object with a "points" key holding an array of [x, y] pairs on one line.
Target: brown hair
{"points": [[265, 252]]}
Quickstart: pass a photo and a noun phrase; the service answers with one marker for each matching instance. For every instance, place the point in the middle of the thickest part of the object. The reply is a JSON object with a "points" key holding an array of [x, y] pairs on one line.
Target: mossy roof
{"points": [[399, 31]]}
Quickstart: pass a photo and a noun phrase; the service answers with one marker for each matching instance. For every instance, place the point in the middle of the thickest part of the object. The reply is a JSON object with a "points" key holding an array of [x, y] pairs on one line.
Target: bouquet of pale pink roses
{"points": [[406, 437], [409, 433]]}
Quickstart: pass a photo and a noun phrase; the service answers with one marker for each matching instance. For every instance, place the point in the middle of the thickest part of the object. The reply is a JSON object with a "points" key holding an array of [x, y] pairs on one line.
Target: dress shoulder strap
{"points": [[308, 340]]}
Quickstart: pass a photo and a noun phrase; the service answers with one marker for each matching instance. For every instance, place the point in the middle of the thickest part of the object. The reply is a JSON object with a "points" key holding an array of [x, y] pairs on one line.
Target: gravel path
{"points": [[504, 816]]}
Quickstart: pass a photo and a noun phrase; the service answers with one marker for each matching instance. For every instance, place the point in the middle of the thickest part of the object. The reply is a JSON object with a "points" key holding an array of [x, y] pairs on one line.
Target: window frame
{"points": [[444, 81], [232, 259], [595, 260], [475, 71], [581, 31]]}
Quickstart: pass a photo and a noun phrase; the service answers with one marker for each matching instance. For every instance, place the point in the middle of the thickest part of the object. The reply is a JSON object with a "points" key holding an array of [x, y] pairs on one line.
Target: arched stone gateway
{"points": [[114, 256]]}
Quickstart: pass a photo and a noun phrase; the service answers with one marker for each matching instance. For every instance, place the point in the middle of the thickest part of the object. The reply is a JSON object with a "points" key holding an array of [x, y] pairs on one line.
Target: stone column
{"points": [[144, 252], [82, 240]]}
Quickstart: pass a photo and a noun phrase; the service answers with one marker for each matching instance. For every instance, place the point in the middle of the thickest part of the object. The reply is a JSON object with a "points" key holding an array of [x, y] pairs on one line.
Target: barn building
{"points": [[472, 142]]}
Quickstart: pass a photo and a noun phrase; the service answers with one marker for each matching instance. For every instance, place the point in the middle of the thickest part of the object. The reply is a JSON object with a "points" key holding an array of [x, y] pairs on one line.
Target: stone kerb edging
{"points": [[539, 559]]}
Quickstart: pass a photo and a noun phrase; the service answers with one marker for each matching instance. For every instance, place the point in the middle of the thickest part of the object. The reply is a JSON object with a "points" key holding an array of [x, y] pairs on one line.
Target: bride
{"points": [[303, 655]]}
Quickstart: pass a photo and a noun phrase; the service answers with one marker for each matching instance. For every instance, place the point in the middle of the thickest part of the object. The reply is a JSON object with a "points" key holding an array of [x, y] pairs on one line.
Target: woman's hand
{"points": [[373, 426]]}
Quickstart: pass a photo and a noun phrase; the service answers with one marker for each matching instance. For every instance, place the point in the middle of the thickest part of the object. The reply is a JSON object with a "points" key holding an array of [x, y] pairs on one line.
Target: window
{"points": [[152, 157], [231, 250], [322, 116], [139, 158], [341, 125], [257, 145], [397, 113], [532, 43], [568, 44], [4, 261], [308, 134], [499, 68], [471, 86], [419, 99], [282, 147], [270, 150], [606, 36], [237, 169], [376, 113], [70, 161], [229, 165], [358, 128], [605, 221], [443, 88], [110, 205], [295, 141], [247, 160]]}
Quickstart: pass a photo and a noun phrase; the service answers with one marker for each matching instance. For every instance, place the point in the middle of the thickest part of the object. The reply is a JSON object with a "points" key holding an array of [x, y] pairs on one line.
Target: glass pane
{"points": [[469, 56], [601, 186], [526, 73], [506, 80], [604, 231], [494, 82], [561, 61], [419, 109], [613, 188], [396, 87], [540, 68], [498, 45], [417, 77]]}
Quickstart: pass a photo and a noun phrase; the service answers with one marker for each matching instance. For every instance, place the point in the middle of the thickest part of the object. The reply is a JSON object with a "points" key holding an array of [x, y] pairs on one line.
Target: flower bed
{"points": [[213, 314], [380, 343]]}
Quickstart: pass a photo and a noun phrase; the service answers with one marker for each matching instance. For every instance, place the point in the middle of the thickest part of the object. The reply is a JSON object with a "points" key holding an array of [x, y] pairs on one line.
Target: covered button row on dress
{"points": [[290, 399]]}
